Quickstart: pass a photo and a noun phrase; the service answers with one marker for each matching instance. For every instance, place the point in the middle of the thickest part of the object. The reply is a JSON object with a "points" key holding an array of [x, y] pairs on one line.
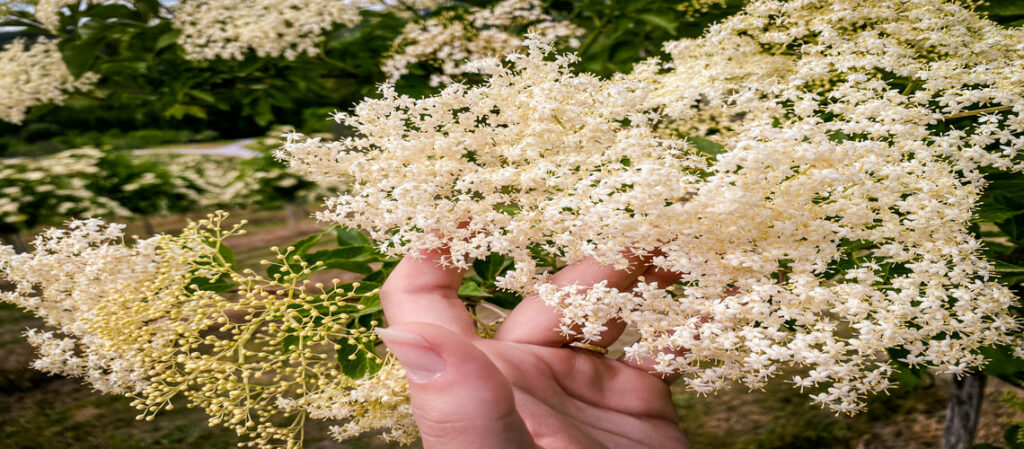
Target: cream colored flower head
{"points": [[35, 74], [451, 42], [229, 29], [535, 156], [832, 224]]}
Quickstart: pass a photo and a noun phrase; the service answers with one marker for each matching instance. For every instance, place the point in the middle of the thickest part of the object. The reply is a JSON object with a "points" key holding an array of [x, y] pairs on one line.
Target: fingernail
{"points": [[421, 362]]}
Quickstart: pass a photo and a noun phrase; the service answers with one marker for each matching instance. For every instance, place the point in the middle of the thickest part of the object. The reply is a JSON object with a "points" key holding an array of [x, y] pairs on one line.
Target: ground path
{"points": [[235, 148]]}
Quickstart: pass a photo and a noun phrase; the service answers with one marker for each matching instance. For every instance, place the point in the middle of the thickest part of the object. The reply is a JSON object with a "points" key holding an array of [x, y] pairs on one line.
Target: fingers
{"points": [[460, 399], [534, 322], [421, 289]]}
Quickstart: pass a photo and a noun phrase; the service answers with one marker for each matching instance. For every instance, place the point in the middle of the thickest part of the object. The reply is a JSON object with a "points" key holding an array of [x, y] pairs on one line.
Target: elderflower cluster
{"points": [[855, 135], [35, 74], [228, 29], [832, 226], [536, 155], [695, 8], [169, 320], [451, 42], [378, 402], [48, 12], [40, 191]]}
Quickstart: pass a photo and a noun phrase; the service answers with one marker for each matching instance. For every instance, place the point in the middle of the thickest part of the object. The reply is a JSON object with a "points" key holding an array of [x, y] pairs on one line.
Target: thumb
{"points": [[460, 400]]}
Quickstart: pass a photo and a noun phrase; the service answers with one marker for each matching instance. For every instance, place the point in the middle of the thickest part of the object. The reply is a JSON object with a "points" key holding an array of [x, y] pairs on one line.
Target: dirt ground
{"points": [[38, 411]]}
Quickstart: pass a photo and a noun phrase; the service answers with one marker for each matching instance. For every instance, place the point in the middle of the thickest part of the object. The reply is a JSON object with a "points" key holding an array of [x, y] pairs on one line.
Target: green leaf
{"points": [[995, 212], [290, 342], [303, 245], [221, 284], [345, 265], [179, 111], [659, 21], [706, 146], [505, 299], [355, 253], [111, 11], [1001, 362], [227, 254], [354, 361], [205, 96], [168, 38], [291, 264], [1004, 267], [491, 267], [1014, 436], [351, 237], [79, 55], [470, 289]]}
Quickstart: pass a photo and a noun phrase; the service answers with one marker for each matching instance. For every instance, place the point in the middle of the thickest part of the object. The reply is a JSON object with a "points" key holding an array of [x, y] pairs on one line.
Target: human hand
{"points": [[524, 388]]}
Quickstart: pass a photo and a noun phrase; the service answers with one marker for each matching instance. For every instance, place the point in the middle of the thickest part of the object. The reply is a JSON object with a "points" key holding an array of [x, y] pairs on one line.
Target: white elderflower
{"points": [[228, 29], [452, 42], [832, 226], [536, 155], [35, 74], [839, 210], [48, 12]]}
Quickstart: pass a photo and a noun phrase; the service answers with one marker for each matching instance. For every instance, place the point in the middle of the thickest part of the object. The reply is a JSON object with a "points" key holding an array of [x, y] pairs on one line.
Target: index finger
{"points": [[421, 289]]}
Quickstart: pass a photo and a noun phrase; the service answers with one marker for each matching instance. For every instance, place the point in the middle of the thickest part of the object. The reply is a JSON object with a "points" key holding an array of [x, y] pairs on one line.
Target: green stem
{"points": [[592, 38]]}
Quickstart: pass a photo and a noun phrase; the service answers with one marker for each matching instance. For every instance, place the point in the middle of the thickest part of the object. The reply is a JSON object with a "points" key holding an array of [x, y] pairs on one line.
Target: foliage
{"points": [[92, 183], [147, 77]]}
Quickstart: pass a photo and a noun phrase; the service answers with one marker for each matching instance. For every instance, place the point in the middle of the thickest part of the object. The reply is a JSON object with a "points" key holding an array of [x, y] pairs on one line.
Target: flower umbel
{"points": [[167, 320]]}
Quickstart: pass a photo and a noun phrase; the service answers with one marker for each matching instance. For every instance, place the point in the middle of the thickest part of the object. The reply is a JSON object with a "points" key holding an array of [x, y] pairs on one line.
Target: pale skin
{"points": [[524, 388]]}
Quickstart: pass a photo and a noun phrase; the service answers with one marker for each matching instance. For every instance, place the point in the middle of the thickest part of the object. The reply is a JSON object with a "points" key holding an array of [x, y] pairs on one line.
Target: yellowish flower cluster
{"points": [[695, 8], [451, 42], [228, 29], [34, 74], [146, 319], [378, 402], [836, 217]]}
